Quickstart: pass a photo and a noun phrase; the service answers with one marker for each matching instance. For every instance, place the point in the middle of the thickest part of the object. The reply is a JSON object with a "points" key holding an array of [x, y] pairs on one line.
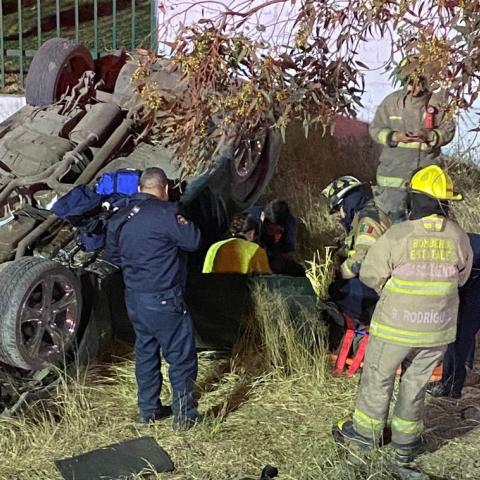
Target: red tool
{"points": [[429, 121], [346, 346]]}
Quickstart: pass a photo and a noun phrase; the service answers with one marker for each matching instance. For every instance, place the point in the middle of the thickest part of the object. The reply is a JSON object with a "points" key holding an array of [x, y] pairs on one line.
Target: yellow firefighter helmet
{"points": [[434, 182]]}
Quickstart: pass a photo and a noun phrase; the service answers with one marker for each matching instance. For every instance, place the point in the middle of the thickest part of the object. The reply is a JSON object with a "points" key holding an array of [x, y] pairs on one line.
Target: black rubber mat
{"points": [[120, 460]]}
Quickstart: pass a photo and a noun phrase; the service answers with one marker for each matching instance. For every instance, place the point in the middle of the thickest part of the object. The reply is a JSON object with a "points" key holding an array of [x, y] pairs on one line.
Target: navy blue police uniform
{"points": [[149, 241], [460, 352]]}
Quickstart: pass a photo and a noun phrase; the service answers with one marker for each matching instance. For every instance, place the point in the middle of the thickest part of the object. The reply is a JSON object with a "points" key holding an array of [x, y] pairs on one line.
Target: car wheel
{"points": [[253, 166], [57, 65], [40, 310]]}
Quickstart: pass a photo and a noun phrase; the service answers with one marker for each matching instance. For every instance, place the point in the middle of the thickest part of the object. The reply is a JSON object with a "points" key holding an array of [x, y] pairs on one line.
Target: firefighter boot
{"points": [[404, 454], [344, 431]]}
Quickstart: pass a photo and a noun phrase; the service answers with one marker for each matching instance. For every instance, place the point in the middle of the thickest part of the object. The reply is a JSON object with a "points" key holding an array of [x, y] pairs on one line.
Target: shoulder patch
{"points": [[364, 228], [181, 220]]}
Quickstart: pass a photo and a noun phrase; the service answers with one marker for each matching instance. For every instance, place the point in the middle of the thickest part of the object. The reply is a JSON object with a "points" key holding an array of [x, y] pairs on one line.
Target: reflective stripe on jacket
{"points": [[417, 267], [236, 255], [368, 225], [401, 112]]}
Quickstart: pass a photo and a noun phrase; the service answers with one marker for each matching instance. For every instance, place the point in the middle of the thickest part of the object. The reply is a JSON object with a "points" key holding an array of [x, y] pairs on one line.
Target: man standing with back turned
{"points": [[149, 240], [416, 266]]}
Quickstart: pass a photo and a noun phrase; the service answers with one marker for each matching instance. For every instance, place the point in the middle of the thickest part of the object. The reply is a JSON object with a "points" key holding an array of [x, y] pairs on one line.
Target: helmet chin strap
{"points": [[422, 205], [442, 207]]}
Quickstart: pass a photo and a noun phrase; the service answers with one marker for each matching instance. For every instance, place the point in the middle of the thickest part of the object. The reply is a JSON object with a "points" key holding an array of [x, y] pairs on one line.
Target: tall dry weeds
{"points": [[321, 272], [273, 402], [466, 180], [288, 337], [305, 167]]}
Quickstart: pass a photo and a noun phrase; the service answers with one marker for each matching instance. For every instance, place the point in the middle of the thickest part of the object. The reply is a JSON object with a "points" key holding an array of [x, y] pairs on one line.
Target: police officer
{"points": [[411, 124], [149, 240], [351, 202], [460, 353], [416, 267]]}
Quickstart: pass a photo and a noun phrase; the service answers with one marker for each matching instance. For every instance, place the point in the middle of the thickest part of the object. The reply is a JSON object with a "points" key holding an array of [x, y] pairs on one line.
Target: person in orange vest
{"points": [[239, 253]]}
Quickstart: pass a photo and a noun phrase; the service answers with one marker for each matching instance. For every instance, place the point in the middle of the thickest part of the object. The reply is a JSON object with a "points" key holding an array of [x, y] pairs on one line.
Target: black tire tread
{"points": [[9, 276], [246, 193], [15, 279], [41, 80]]}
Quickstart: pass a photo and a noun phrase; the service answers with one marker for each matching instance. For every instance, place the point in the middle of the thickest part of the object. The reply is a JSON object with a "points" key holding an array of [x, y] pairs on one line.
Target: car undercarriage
{"points": [[82, 119]]}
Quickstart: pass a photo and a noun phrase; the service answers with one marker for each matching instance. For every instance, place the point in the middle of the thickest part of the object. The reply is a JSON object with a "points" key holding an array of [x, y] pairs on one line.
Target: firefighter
{"points": [[351, 202], [411, 124], [149, 240], [416, 267], [239, 253]]}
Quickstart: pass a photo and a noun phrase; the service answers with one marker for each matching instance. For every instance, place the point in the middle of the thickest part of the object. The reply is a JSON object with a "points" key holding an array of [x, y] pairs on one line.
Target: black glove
{"points": [[268, 473]]}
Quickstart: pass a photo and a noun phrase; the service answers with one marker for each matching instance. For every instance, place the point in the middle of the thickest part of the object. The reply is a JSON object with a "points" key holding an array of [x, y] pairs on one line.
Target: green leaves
{"points": [[247, 71]]}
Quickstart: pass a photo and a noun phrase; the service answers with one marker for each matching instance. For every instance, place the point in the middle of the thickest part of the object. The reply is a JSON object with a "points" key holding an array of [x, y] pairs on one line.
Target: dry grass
{"points": [[274, 401], [306, 166], [321, 272], [466, 178]]}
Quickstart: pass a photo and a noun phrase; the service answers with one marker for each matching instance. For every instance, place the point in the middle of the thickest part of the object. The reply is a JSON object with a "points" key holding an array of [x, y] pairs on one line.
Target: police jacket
{"points": [[236, 255], [368, 225], [417, 267], [402, 112], [475, 274], [150, 245]]}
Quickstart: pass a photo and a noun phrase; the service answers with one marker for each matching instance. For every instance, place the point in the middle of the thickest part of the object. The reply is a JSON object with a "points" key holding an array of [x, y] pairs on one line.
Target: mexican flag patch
{"points": [[364, 228]]}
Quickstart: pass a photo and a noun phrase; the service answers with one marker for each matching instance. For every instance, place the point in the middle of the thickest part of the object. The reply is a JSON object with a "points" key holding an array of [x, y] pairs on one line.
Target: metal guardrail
{"points": [[23, 50]]}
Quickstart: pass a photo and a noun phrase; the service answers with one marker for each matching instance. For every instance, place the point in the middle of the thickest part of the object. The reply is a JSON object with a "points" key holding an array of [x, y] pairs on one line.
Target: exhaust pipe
{"points": [[119, 136]]}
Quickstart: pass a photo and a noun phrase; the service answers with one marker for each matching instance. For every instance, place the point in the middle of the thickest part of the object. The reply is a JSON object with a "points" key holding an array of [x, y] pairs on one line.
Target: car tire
{"points": [[250, 178], [40, 310], [58, 64]]}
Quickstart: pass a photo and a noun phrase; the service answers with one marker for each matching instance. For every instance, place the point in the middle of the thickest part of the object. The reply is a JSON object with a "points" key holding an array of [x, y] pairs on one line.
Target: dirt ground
{"points": [[454, 424]]}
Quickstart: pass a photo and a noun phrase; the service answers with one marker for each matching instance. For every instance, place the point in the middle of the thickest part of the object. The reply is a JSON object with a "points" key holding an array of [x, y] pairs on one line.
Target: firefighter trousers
{"points": [[392, 201], [376, 388]]}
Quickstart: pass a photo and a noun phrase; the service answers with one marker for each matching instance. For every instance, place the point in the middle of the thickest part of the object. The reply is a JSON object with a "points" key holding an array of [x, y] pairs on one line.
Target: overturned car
{"points": [[76, 125]]}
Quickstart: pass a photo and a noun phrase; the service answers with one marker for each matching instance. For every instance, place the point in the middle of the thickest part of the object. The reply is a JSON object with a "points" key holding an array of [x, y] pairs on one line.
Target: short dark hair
{"points": [[153, 177], [243, 223], [277, 211]]}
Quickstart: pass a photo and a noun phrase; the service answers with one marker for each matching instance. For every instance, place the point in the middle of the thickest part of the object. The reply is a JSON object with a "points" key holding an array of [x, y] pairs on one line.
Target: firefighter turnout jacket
{"points": [[368, 225], [417, 267], [402, 112]]}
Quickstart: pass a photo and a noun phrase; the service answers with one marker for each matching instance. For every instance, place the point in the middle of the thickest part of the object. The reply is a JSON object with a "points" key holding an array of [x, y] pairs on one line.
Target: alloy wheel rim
{"points": [[246, 161], [49, 318]]}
